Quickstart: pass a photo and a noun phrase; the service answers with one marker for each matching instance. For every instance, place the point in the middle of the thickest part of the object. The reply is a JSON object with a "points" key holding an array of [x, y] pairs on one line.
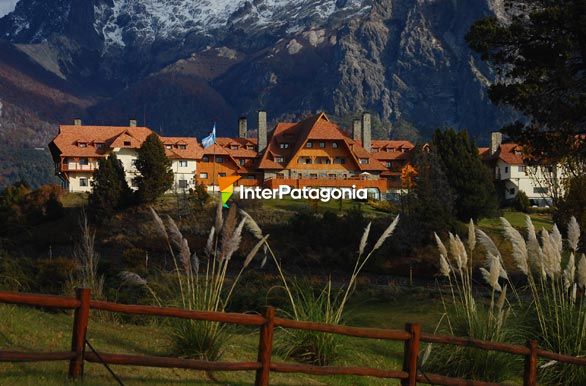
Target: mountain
{"points": [[180, 65]]}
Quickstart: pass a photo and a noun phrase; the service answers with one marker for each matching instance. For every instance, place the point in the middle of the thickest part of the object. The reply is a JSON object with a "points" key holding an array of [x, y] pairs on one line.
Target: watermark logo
{"points": [[227, 188], [304, 193]]}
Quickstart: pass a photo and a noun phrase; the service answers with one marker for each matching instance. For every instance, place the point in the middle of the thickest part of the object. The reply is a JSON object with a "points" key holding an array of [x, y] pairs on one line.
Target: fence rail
{"points": [[412, 337]]}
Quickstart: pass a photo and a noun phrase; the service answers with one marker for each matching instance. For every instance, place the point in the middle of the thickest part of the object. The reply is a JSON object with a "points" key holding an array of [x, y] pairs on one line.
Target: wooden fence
{"points": [[412, 337]]}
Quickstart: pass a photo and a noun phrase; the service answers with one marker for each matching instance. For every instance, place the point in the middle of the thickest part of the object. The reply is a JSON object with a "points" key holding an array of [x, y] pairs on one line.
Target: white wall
{"points": [[186, 173], [75, 182], [533, 180], [127, 157]]}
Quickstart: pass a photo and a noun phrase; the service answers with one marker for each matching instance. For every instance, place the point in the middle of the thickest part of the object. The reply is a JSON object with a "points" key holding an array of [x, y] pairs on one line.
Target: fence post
{"points": [[411, 354], [80, 323], [265, 348], [530, 376]]}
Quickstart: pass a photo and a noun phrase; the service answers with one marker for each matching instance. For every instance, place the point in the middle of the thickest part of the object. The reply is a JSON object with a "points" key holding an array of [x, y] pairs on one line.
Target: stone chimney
{"points": [[77, 122], [366, 131], [262, 130], [356, 130], [132, 123], [496, 139], [242, 127]]}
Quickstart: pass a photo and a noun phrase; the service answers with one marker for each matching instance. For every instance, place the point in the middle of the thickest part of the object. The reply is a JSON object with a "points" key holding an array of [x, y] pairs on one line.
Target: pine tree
{"points": [[467, 175], [156, 176], [110, 190], [429, 206]]}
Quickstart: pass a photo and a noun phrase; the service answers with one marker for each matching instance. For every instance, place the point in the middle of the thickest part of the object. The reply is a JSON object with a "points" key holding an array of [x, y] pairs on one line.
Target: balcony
{"points": [[78, 168]]}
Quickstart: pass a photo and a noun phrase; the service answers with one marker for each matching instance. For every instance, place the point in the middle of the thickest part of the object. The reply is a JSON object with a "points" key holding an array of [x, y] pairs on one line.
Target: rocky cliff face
{"points": [[183, 63]]}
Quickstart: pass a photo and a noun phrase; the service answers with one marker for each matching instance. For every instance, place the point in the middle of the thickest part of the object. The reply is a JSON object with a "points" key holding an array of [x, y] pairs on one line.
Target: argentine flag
{"points": [[210, 139]]}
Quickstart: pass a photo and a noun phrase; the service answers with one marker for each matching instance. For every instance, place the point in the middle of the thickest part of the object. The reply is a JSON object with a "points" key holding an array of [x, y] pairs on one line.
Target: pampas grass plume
{"points": [[388, 232], [364, 239]]}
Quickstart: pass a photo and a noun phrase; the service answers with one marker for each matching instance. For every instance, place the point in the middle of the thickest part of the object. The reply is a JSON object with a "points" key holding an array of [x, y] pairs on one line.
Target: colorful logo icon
{"points": [[227, 188]]}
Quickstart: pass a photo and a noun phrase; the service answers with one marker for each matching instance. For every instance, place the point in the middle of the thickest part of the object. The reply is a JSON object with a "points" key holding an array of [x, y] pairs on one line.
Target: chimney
{"points": [[262, 130], [496, 139], [356, 130], [366, 131], [132, 123], [242, 127], [77, 122]]}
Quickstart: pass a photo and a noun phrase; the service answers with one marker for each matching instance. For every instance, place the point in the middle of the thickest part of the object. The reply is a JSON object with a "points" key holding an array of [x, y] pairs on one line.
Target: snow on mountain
{"points": [[124, 22]]}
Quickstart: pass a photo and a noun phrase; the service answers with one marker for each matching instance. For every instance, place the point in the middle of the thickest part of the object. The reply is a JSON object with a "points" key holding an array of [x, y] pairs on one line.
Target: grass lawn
{"points": [[28, 329], [320, 207], [517, 219]]}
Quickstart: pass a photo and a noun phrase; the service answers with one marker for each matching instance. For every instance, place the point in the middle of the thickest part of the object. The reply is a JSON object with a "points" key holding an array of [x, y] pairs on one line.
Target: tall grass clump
{"points": [[467, 314], [87, 259], [325, 305], [551, 305], [556, 281], [201, 282]]}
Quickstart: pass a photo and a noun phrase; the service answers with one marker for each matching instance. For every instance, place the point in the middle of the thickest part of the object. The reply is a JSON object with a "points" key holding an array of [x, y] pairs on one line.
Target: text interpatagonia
{"points": [[305, 193]]}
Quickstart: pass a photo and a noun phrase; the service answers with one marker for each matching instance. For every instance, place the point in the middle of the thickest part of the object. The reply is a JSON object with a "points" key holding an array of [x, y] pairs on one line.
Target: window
{"points": [[182, 164], [522, 169], [249, 147], [205, 158], [322, 145], [339, 160], [309, 144], [506, 169], [363, 161], [182, 147], [83, 161], [332, 176], [284, 145], [82, 144], [334, 145], [203, 175], [222, 174], [168, 146], [65, 160], [279, 159], [388, 164], [242, 161], [313, 176], [512, 191], [83, 182], [99, 146], [182, 184], [127, 143], [220, 160], [234, 147], [540, 190]]}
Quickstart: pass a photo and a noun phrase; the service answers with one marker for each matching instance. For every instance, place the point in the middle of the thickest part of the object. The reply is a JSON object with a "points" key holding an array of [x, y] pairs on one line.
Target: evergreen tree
{"points": [[469, 178], [539, 54], [429, 206], [110, 189], [156, 176]]}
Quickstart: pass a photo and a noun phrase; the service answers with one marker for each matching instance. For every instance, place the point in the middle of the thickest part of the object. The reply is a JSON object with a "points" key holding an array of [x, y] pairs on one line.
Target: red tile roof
{"points": [[111, 137]]}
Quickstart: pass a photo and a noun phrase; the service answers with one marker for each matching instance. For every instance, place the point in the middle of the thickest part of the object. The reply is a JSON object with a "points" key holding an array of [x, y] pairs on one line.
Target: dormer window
{"points": [[309, 145], [127, 143], [284, 145], [82, 144], [83, 161], [242, 161], [233, 147], [279, 159], [249, 147], [168, 147], [334, 145], [205, 158], [99, 146], [220, 160], [322, 145], [182, 147], [364, 161]]}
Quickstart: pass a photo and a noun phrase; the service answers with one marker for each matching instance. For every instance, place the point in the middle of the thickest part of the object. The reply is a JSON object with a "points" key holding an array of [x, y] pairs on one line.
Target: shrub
{"points": [[521, 202]]}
